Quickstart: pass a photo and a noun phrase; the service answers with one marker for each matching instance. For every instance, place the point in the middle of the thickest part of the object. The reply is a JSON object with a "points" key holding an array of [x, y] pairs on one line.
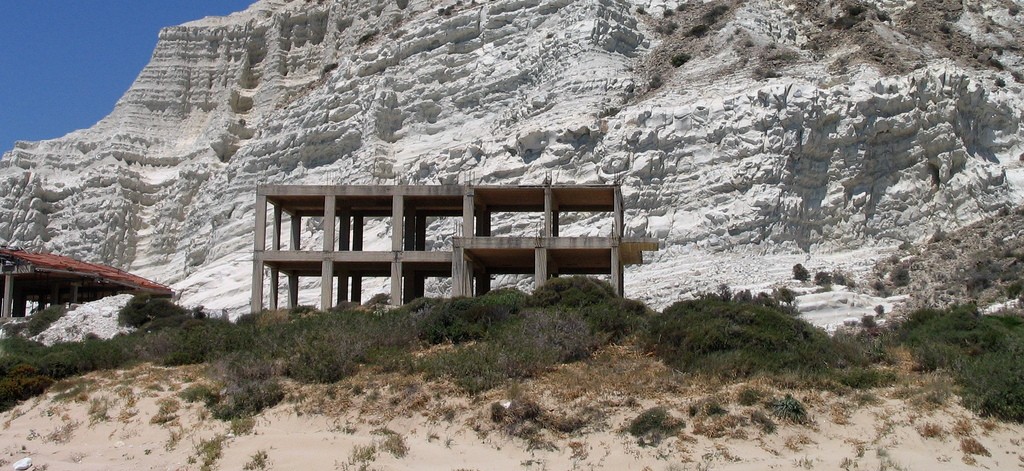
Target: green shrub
{"points": [[800, 273], [42, 320], [143, 309], [789, 409], [823, 278], [653, 425], [731, 340], [572, 292], [250, 386], [616, 319], [679, 59], [865, 378], [20, 383], [463, 319], [749, 396]]}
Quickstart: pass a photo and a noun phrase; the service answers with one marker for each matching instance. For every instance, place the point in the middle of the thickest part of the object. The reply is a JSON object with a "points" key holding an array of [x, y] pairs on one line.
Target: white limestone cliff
{"points": [[795, 130]]}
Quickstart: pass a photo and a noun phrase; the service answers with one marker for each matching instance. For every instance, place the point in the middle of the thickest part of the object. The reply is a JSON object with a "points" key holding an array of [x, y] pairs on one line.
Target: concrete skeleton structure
{"points": [[476, 255]]}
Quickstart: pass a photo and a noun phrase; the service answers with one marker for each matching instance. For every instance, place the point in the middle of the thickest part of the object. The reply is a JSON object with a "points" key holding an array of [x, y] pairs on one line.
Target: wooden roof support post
{"points": [[8, 307], [259, 245]]}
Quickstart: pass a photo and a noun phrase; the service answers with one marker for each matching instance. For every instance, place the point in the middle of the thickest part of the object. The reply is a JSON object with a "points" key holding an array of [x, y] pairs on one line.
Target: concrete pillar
{"points": [[293, 290], [483, 222], [467, 213], [617, 278], [357, 289], [357, 233], [296, 242], [329, 222], [483, 282], [259, 245], [8, 306], [419, 288], [408, 285], [421, 232], [397, 212], [554, 223], [396, 282], [276, 234], [549, 207], [327, 284], [342, 286], [345, 231], [275, 283], [409, 221], [618, 212], [540, 267], [458, 272]]}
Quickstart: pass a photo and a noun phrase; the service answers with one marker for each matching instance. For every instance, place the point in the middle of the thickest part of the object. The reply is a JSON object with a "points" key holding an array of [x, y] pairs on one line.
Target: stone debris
{"points": [[97, 318]]}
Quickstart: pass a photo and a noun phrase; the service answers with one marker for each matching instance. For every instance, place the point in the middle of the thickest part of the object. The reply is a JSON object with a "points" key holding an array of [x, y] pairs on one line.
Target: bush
{"points": [[20, 383], [679, 59], [42, 320], [143, 309], [250, 386], [731, 340], [615, 319], [789, 409], [463, 319], [900, 276], [823, 278], [800, 273], [572, 291], [653, 425]]}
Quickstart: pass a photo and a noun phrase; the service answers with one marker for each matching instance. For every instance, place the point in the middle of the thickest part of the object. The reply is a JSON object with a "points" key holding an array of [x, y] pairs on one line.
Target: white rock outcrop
{"points": [[821, 152]]}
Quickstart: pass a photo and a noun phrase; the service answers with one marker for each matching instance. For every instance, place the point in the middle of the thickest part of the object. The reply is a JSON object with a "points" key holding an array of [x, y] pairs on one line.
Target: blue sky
{"points": [[64, 63]]}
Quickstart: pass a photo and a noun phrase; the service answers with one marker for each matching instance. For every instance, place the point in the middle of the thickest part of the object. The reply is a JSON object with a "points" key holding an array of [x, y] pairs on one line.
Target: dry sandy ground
{"points": [[135, 419]]}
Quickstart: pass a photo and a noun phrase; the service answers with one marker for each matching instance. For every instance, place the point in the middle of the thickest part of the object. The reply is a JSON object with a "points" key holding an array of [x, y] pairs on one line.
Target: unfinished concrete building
{"points": [[475, 256]]}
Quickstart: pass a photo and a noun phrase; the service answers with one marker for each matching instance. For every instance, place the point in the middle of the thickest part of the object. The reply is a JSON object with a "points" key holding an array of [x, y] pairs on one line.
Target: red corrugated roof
{"points": [[47, 261]]}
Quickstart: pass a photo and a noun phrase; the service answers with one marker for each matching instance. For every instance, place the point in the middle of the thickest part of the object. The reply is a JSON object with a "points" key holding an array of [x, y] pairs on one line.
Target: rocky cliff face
{"points": [[748, 126]]}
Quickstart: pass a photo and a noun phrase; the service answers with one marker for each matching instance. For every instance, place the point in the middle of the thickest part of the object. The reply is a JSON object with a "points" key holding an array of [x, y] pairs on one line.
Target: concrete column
{"points": [[259, 245], [342, 286], [275, 243], [397, 212], [396, 282], [357, 233], [296, 242], [275, 283], [8, 306], [419, 288], [554, 223], [540, 267], [421, 232], [483, 222], [357, 289], [467, 213], [618, 212], [293, 290], [409, 221], [330, 215], [327, 284], [408, 285], [345, 231], [549, 206], [458, 272], [483, 283], [617, 278]]}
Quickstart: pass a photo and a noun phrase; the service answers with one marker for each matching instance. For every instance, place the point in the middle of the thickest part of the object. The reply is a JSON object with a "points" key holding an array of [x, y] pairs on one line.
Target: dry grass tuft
{"points": [[971, 446], [930, 430]]}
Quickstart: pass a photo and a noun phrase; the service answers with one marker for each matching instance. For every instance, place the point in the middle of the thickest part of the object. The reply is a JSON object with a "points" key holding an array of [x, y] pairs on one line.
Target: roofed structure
{"points": [[48, 279]]}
